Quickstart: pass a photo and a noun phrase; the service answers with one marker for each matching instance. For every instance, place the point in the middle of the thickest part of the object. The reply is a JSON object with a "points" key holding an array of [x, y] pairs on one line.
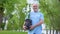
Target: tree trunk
{"points": [[59, 31], [50, 30], [1, 15], [1, 19], [56, 31], [53, 31], [46, 30]]}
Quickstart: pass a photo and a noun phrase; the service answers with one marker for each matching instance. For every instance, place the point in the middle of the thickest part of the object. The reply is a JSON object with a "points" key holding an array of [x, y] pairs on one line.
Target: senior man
{"points": [[37, 20]]}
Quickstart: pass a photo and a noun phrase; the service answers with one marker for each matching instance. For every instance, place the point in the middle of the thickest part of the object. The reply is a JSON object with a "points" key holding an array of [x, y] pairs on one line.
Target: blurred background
{"points": [[14, 12]]}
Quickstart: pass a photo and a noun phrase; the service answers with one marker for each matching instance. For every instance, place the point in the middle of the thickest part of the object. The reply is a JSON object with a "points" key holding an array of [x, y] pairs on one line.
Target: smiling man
{"points": [[37, 20]]}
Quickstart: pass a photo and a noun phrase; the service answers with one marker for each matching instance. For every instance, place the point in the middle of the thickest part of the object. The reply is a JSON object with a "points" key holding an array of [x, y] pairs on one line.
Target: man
{"points": [[37, 21]]}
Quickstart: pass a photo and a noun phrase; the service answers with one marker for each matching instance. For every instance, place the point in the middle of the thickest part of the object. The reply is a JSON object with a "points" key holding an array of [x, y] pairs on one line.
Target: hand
{"points": [[32, 27], [24, 27]]}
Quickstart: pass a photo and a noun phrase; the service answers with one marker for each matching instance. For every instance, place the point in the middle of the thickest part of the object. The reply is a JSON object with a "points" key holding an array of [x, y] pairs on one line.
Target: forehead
{"points": [[34, 4]]}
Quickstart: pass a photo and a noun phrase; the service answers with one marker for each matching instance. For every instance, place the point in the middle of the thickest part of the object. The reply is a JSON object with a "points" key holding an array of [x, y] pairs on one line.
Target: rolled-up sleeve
{"points": [[41, 16]]}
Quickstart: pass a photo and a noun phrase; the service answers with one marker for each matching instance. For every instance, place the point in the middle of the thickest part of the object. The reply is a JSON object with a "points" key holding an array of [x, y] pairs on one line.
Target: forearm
{"points": [[38, 24]]}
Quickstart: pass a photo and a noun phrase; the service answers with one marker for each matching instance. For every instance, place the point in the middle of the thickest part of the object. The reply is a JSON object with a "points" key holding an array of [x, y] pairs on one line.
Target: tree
{"points": [[9, 7], [51, 9]]}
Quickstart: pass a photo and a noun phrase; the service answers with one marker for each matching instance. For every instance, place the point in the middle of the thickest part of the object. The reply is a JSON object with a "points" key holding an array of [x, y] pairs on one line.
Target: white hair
{"points": [[35, 2]]}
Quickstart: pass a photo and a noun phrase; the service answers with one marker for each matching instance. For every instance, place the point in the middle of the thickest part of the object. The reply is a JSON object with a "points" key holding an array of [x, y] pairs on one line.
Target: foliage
{"points": [[51, 9], [10, 6]]}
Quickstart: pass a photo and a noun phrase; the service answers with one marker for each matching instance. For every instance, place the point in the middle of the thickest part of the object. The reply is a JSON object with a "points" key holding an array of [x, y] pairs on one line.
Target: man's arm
{"points": [[36, 25], [40, 23], [41, 20]]}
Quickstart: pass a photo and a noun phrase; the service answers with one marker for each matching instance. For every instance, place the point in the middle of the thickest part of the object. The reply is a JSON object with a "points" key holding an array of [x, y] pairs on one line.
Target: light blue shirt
{"points": [[36, 17]]}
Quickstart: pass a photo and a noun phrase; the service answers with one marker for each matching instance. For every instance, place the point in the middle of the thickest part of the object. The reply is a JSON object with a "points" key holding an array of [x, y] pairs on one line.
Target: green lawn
{"points": [[12, 32]]}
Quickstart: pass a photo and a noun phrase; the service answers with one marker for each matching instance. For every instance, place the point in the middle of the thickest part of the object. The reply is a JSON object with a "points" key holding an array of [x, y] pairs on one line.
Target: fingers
{"points": [[32, 27], [24, 27]]}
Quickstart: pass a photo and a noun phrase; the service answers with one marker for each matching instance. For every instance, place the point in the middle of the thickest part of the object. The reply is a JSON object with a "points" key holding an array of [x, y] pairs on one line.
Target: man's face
{"points": [[35, 7]]}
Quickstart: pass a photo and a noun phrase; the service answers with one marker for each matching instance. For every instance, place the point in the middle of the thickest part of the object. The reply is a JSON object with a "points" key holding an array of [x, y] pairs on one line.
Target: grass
{"points": [[12, 32]]}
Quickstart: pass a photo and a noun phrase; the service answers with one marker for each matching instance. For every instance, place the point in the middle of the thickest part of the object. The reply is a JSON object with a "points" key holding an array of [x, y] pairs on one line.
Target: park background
{"points": [[13, 13]]}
